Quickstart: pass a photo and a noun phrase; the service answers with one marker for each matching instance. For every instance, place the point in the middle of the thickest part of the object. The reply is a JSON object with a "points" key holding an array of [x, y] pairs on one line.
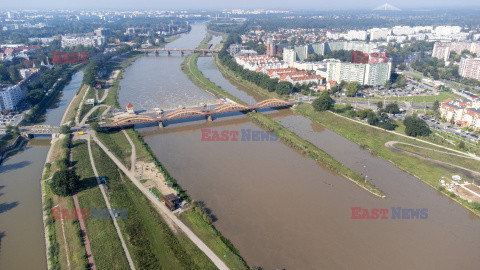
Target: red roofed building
{"points": [[130, 108]]}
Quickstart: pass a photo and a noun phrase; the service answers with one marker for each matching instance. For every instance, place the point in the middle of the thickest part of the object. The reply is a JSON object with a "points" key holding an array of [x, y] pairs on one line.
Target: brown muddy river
{"points": [[282, 210]]}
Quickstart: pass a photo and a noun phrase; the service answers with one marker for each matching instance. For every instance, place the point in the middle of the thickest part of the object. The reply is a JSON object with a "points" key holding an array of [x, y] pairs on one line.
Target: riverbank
{"points": [[286, 136], [375, 140]]}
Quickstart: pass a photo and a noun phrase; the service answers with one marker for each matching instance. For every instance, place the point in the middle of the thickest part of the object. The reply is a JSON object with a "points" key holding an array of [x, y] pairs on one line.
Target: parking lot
{"points": [[447, 128]]}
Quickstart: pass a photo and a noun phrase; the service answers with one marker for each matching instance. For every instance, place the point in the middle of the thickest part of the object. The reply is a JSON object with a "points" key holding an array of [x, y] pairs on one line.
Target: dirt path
{"points": [[83, 228], [163, 210], [65, 243], [391, 145], [133, 156], [107, 202]]}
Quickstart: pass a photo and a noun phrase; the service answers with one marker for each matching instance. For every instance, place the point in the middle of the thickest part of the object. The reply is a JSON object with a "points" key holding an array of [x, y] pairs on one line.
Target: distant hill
{"points": [[387, 6]]}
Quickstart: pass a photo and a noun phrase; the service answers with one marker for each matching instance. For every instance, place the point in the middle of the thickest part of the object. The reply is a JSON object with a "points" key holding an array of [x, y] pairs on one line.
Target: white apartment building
{"points": [[379, 33], [469, 67], [87, 41], [397, 39], [356, 35], [365, 74], [10, 96], [446, 30]]}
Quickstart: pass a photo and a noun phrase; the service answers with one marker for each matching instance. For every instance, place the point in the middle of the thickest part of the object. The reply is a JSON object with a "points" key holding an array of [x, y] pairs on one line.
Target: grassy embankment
{"points": [[374, 139], [465, 162], [74, 105], [285, 135], [152, 243], [58, 241]]}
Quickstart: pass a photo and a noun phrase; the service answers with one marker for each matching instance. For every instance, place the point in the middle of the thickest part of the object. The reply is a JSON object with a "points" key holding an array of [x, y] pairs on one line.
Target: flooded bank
{"points": [[22, 241]]}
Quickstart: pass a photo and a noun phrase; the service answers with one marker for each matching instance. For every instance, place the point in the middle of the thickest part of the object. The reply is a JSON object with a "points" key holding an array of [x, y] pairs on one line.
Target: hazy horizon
{"points": [[246, 4]]}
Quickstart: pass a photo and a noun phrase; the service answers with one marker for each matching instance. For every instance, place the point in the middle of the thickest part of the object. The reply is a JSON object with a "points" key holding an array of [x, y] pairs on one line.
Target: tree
{"points": [[436, 105], [362, 114], [34, 96], [380, 105], [95, 126], [415, 126], [323, 103], [352, 89], [284, 88], [372, 118], [401, 82], [65, 129], [64, 182], [392, 108], [388, 85]]}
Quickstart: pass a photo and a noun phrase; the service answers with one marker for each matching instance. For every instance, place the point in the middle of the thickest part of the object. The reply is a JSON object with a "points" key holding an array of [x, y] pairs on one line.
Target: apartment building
{"points": [[10, 96], [470, 67]]}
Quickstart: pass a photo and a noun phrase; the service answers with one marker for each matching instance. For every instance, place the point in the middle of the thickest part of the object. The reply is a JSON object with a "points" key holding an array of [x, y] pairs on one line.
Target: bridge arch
{"points": [[132, 119], [272, 103], [184, 112], [229, 106]]}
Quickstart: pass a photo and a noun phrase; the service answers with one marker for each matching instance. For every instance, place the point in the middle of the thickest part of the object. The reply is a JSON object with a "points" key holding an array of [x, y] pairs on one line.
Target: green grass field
{"points": [[151, 242], [106, 246]]}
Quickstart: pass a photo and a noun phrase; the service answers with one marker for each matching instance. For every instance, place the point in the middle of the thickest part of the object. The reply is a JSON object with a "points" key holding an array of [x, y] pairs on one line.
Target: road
{"points": [[162, 208]]}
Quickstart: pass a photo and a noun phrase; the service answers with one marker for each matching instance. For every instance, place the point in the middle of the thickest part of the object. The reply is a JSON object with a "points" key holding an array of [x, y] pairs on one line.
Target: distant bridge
{"points": [[191, 113], [182, 51], [40, 129]]}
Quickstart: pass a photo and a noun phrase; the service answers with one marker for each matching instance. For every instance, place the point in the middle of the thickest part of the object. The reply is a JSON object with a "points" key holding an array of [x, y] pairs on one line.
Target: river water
{"points": [[22, 242], [156, 81], [282, 210]]}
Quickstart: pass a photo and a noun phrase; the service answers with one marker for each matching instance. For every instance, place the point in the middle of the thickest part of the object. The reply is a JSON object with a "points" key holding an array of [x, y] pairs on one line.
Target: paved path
{"points": [[391, 145], [125, 249], [412, 138], [162, 209], [80, 106], [85, 118]]}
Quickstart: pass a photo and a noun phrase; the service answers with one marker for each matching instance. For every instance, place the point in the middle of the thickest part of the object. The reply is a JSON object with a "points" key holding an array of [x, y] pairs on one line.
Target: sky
{"points": [[230, 4]]}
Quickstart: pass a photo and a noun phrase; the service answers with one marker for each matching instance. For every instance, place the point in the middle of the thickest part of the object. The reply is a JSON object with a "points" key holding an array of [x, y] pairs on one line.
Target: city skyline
{"points": [[248, 4]]}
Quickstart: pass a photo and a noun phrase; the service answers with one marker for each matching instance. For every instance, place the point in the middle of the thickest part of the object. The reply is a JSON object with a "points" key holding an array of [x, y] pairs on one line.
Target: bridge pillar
{"points": [[209, 117], [168, 52], [161, 125], [156, 52], [203, 53], [181, 52], [254, 110]]}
